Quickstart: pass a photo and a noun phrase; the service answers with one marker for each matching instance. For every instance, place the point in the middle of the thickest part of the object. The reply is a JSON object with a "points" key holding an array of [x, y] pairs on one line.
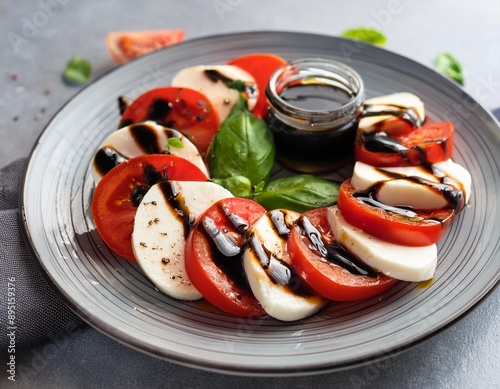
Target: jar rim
{"points": [[330, 72]]}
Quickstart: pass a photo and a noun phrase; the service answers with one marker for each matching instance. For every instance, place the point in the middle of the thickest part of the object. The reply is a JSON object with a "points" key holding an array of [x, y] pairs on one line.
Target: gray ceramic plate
{"points": [[114, 297]]}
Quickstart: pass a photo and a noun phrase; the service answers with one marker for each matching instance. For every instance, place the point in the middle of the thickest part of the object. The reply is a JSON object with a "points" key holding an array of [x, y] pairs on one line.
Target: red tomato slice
{"points": [[260, 66], [118, 194], [431, 143], [325, 277], [220, 278], [183, 109], [125, 45], [427, 229]]}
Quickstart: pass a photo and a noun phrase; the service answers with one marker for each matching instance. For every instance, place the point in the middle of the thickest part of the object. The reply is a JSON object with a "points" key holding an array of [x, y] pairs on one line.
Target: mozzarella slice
{"points": [[140, 139], [215, 88], [403, 99], [458, 173], [267, 266], [161, 224], [404, 263], [420, 187]]}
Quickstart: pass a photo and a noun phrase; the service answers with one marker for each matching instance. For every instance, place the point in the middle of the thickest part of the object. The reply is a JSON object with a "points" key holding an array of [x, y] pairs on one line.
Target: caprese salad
{"points": [[182, 187]]}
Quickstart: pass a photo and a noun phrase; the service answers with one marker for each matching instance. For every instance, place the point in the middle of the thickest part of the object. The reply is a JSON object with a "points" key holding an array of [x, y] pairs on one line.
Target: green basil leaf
{"points": [[449, 65], [239, 186], [368, 35], [236, 84], [298, 193], [175, 143], [257, 189], [78, 71], [243, 146]]}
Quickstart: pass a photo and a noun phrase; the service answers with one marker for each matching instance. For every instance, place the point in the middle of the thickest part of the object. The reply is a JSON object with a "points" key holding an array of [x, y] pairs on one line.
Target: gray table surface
{"points": [[38, 37]]}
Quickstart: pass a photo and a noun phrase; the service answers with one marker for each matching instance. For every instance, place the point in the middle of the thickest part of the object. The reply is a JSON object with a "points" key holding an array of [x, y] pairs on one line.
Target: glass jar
{"points": [[313, 110]]}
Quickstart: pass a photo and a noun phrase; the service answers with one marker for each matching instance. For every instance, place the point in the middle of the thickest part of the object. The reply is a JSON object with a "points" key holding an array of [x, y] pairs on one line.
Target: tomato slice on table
{"points": [[125, 45], [425, 228], [261, 66], [183, 109], [213, 256], [120, 191], [430, 143], [326, 267]]}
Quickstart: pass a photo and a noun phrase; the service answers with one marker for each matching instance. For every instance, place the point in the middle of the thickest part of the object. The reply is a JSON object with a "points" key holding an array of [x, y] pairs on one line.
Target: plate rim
{"points": [[142, 346]]}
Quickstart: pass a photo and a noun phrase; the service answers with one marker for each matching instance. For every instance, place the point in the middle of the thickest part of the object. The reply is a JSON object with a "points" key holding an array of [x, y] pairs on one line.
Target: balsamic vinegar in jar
{"points": [[313, 108]]}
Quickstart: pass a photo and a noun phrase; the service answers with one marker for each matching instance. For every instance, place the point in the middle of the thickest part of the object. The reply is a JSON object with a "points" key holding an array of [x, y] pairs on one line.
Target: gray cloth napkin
{"points": [[30, 310]]}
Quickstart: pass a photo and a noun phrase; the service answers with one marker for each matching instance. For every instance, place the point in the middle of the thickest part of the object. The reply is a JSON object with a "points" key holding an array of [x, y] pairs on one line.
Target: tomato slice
{"points": [[125, 45], [118, 194], [183, 109], [424, 229], [324, 276], [261, 66], [220, 277], [430, 143]]}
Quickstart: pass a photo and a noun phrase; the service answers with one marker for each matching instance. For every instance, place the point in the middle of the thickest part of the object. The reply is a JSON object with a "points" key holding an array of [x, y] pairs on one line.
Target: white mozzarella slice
{"points": [[392, 187], [398, 186], [271, 278], [381, 103], [405, 192], [459, 174], [365, 176], [222, 97], [160, 227], [140, 139], [404, 263]]}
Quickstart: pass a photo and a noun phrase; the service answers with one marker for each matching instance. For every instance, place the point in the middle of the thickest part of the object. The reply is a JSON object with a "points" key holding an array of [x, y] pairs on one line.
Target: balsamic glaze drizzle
{"points": [[278, 219], [225, 245], [334, 252], [368, 199], [278, 271], [151, 177], [225, 252], [123, 104], [237, 221], [450, 188], [147, 139], [231, 265], [159, 109], [380, 142], [174, 197], [215, 76], [106, 159]]}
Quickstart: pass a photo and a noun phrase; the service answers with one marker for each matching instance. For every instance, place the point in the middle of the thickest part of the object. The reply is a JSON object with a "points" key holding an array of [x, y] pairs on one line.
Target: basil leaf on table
{"points": [[243, 146], [299, 193], [449, 65], [77, 71], [368, 35]]}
